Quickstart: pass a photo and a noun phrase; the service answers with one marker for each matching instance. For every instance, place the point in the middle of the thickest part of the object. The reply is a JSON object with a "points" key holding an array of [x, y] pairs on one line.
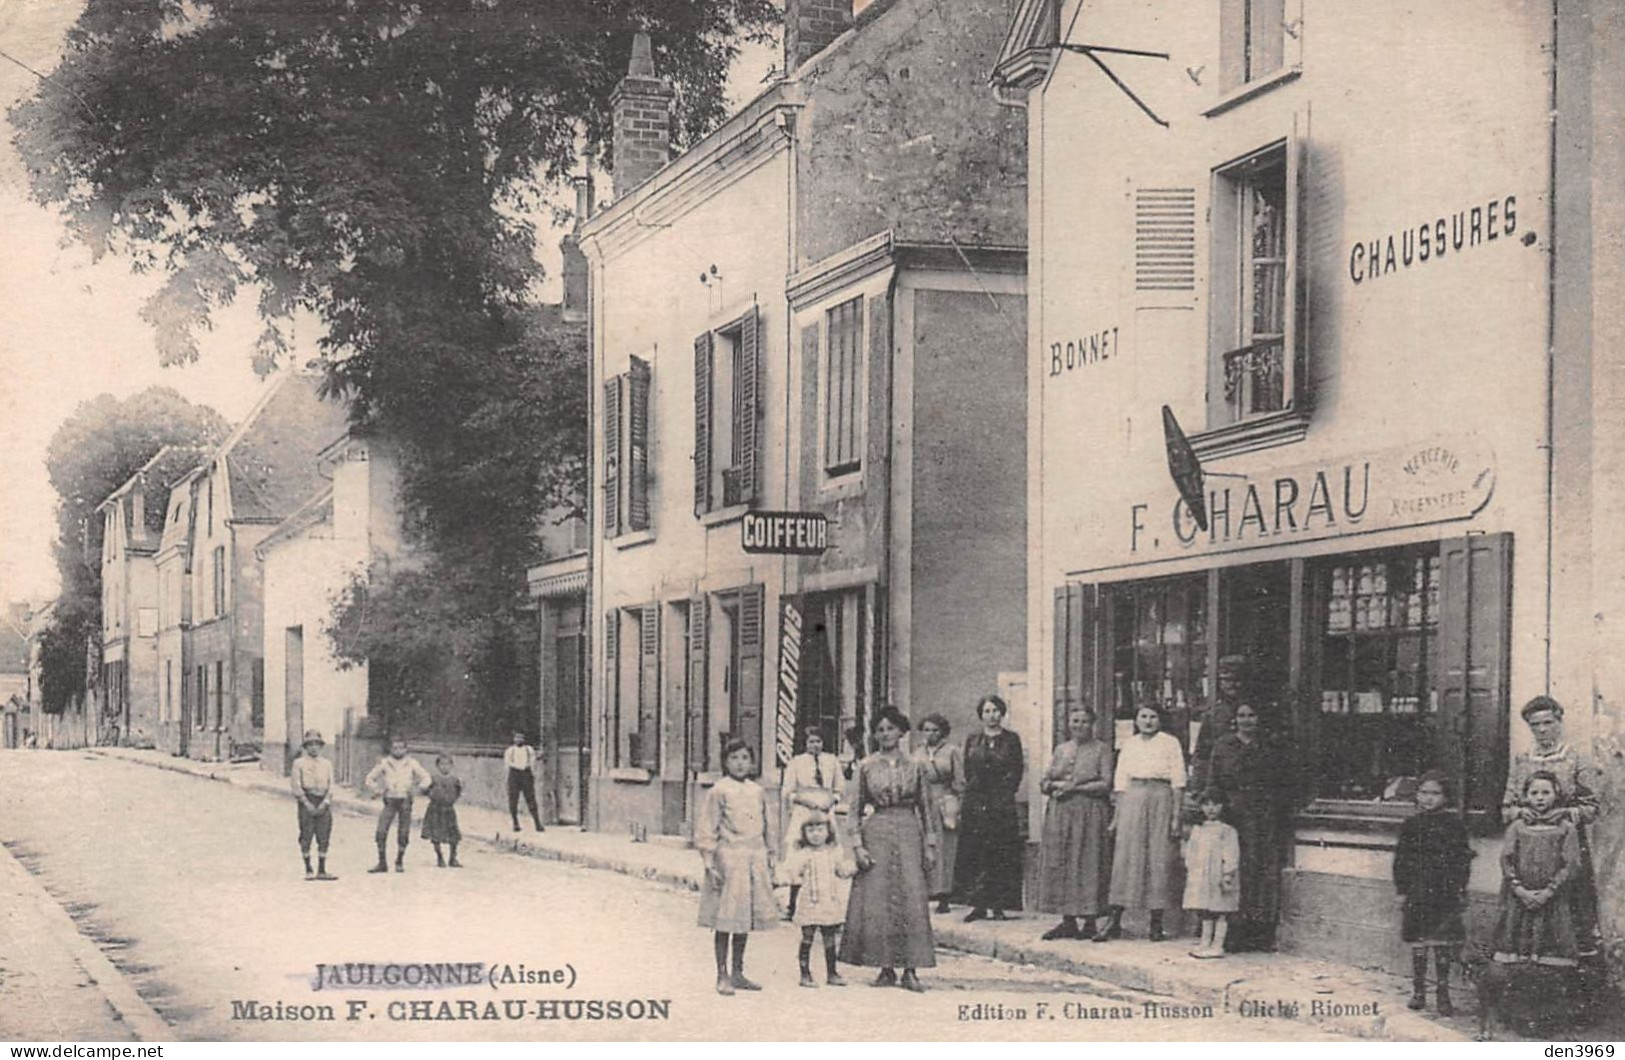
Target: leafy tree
{"points": [[93, 453], [377, 162]]}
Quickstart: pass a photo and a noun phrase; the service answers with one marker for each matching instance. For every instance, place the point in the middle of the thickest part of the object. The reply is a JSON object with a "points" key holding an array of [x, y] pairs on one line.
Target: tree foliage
{"points": [[93, 453], [379, 163]]}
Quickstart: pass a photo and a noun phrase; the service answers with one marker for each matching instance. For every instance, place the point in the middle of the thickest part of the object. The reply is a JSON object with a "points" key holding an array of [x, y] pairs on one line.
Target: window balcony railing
{"points": [[1255, 379]]}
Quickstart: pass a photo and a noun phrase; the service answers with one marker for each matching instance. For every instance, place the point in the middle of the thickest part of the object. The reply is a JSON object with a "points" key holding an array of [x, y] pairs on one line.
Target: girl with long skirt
{"points": [[1075, 859], [992, 836], [739, 845], [945, 783], [888, 918], [1148, 786]]}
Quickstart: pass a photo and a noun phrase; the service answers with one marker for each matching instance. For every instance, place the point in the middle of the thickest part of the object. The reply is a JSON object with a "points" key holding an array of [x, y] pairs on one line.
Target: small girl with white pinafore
{"points": [[823, 871]]}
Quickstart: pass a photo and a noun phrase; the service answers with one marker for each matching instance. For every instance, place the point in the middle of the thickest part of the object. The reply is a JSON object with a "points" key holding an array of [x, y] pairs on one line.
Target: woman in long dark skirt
{"points": [[1075, 873], [1253, 770], [888, 919], [992, 838]]}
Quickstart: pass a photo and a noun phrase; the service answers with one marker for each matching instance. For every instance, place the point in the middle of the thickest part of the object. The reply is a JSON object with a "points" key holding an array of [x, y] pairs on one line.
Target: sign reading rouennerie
{"points": [[785, 533]]}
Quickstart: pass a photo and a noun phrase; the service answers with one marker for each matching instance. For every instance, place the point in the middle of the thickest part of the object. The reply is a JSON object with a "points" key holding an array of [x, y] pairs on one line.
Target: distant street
{"points": [[195, 890]]}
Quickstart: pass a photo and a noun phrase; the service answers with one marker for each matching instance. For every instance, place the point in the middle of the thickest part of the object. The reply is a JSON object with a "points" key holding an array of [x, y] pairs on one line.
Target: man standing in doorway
{"points": [[521, 759], [1220, 719]]}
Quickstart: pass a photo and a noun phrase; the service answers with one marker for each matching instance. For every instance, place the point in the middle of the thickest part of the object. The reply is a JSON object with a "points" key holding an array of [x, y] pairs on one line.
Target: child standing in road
{"points": [[736, 837], [397, 778], [818, 867], [1212, 867], [312, 779], [440, 822], [1431, 862]]}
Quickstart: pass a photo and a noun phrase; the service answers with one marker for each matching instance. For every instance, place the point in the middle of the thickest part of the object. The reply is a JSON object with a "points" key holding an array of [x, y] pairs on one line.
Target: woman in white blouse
{"points": [[1146, 793]]}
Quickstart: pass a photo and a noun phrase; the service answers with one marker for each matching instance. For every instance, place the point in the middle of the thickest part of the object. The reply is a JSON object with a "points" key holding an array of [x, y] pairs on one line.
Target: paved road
{"points": [[196, 892]]}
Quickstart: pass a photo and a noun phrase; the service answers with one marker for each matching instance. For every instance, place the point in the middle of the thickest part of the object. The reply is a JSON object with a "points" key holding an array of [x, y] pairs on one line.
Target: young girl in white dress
{"points": [[1212, 867], [735, 834], [820, 868]]}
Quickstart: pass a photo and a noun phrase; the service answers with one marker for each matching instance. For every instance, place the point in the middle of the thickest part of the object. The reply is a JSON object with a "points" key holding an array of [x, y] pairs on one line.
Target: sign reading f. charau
{"points": [[1413, 485]]}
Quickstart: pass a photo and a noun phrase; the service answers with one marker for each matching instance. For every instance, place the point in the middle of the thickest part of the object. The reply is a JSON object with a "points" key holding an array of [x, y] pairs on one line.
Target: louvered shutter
{"points": [[612, 456], [703, 346], [637, 492], [1475, 607], [612, 684], [747, 433], [1075, 613], [748, 696], [649, 689], [698, 748], [1165, 239], [875, 410]]}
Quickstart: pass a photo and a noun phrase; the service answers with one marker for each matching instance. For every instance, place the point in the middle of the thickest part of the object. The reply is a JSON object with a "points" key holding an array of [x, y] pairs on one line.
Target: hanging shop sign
{"points": [[785, 533], [1437, 482]]}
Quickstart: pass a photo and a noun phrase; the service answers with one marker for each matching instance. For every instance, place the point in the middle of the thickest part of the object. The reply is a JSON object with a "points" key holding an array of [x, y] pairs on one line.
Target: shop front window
{"points": [[1378, 704], [1159, 652]]}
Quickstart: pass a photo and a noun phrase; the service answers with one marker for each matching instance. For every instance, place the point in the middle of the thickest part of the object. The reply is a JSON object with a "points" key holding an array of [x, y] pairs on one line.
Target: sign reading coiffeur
{"points": [[1432, 483], [785, 533]]}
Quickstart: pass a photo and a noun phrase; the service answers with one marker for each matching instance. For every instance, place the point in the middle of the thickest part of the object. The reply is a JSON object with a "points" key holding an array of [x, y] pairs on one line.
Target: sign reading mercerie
{"points": [[785, 533]]}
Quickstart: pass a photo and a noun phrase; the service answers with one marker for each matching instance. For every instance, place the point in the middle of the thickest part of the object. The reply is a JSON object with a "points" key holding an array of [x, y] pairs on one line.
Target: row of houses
{"points": [[933, 305]]}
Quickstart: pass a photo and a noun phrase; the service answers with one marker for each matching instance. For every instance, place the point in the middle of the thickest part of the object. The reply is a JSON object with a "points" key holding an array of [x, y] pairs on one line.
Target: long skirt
{"points": [[941, 881], [1259, 834], [440, 823], [992, 842], [888, 922], [739, 896], [1146, 857], [1075, 861], [1543, 936]]}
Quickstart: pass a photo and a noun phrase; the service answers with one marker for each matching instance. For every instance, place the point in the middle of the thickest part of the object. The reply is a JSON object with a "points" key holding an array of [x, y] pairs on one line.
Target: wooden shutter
{"points": [[1165, 239], [703, 346], [637, 503], [748, 696], [1293, 354], [874, 408], [698, 748], [1475, 603], [649, 689], [612, 456], [1075, 612], [747, 435], [612, 684]]}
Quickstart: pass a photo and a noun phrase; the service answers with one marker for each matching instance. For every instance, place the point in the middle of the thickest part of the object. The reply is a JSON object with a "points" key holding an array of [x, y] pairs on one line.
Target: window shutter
{"points": [[1074, 652], [637, 503], [703, 346], [747, 435], [1474, 649], [612, 456], [612, 684], [749, 694], [698, 750], [874, 409], [1165, 239], [1292, 345], [649, 689]]}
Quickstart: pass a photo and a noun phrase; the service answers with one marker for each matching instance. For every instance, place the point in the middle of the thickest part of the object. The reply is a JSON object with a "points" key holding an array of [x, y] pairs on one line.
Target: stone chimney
{"points": [[575, 262], [810, 26], [641, 109]]}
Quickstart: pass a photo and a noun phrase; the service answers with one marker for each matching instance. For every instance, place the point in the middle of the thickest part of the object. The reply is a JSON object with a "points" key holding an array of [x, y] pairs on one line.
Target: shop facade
{"points": [[1331, 268]]}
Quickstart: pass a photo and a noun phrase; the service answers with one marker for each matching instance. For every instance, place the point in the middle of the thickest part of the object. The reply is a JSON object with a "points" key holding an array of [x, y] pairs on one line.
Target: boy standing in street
{"points": [[521, 760], [312, 778], [397, 778]]}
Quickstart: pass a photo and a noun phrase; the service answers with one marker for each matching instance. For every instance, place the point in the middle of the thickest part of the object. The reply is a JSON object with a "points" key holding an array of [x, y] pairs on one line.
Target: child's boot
{"points": [[831, 976], [400, 859], [383, 860], [1419, 979], [804, 954], [321, 869], [1441, 967], [739, 980], [725, 983], [1204, 945], [1221, 929], [309, 875], [454, 863], [1155, 934]]}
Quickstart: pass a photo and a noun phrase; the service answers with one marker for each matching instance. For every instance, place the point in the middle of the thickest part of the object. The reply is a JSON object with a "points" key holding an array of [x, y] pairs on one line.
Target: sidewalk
{"points": [[1332, 997]]}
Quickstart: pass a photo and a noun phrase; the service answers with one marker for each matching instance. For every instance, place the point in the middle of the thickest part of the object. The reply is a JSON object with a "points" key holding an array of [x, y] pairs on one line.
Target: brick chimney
{"points": [[574, 270], [810, 26], [641, 108]]}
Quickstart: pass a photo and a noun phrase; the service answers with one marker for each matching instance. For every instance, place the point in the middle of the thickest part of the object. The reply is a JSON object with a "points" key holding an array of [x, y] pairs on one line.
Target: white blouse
{"points": [[1158, 758]]}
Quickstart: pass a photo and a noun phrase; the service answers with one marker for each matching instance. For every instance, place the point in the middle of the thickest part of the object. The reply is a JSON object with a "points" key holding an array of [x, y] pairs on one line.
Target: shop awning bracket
{"points": [[1093, 52]]}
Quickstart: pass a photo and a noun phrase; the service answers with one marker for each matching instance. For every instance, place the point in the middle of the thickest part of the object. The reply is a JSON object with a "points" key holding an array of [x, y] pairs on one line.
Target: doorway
{"points": [[293, 669], [564, 705]]}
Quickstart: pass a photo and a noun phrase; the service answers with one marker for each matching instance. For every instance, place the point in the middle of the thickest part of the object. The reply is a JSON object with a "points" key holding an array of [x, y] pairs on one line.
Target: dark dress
{"points": [[888, 920], [440, 822], [1540, 853], [1577, 797], [1252, 775], [1431, 862], [992, 835]]}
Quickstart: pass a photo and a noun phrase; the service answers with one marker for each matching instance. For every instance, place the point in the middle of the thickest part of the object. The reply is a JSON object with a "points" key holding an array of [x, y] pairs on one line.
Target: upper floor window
{"points": [[626, 449], [842, 392], [1256, 368], [1253, 42], [727, 435], [219, 574]]}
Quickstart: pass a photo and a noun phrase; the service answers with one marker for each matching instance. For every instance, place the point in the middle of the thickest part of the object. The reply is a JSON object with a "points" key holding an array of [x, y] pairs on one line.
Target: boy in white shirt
{"points": [[521, 760], [397, 778]]}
